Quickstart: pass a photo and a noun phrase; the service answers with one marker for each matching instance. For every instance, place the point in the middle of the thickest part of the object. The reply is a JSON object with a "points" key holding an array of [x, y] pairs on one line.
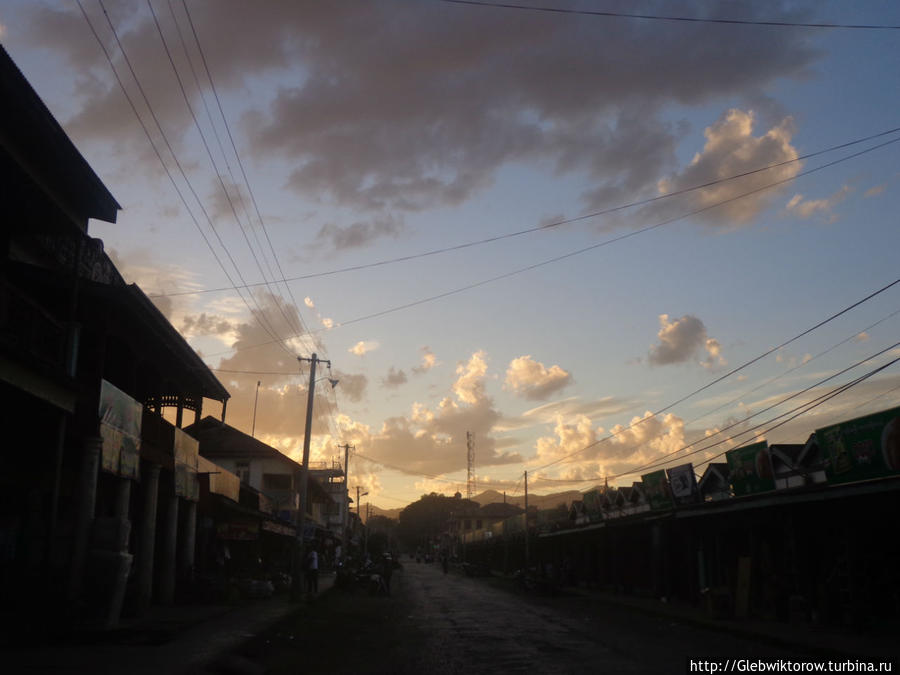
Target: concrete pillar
{"points": [[87, 502], [188, 540], [150, 484], [170, 548], [123, 498]]}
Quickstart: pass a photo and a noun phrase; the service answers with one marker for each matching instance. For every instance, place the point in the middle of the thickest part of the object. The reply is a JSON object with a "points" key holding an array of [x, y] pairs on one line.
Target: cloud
{"points": [[874, 191], [433, 440], [429, 360], [363, 347], [462, 93], [358, 234], [862, 337], [731, 149], [327, 323], [578, 442], [309, 302], [565, 409], [469, 387], [680, 339], [394, 378], [206, 324], [822, 207], [532, 380], [353, 386]]}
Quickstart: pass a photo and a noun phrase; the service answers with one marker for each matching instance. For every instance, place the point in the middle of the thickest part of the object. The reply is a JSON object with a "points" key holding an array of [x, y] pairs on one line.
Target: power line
{"points": [[803, 408], [241, 164], [580, 251], [726, 375], [659, 17], [216, 170], [548, 226], [168, 146]]}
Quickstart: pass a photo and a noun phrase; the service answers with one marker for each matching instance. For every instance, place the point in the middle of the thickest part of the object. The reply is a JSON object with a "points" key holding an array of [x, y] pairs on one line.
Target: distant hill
{"points": [[540, 501], [494, 497], [393, 514]]}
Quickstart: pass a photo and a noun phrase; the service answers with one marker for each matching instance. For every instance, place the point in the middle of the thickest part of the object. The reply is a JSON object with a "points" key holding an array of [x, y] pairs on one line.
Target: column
{"points": [[150, 484], [170, 548], [188, 541], [87, 501]]}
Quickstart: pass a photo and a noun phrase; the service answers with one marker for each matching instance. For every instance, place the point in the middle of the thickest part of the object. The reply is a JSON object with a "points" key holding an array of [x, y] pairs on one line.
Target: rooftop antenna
{"points": [[470, 479], [255, 401]]}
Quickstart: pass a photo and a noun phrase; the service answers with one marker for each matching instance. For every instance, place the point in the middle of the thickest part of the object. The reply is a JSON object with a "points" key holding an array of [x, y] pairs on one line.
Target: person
{"points": [[387, 569], [312, 571]]}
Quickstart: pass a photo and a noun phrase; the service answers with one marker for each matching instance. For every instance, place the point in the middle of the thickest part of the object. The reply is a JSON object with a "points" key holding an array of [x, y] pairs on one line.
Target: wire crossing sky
{"points": [[428, 218]]}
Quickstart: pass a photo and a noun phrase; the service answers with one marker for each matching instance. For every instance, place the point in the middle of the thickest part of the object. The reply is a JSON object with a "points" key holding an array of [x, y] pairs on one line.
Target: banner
{"points": [[120, 429], [751, 469], [221, 482], [862, 448], [656, 487], [187, 453], [684, 484]]}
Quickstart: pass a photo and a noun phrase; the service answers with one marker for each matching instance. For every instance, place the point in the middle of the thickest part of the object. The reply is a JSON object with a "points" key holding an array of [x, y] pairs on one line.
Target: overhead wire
{"points": [[167, 144], [661, 17], [804, 407], [729, 373], [221, 181], [586, 249], [556, 223], [241, 166]]}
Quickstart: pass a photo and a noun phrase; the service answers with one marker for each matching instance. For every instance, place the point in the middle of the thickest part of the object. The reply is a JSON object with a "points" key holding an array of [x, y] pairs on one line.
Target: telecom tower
{"points": [[470, 480]]}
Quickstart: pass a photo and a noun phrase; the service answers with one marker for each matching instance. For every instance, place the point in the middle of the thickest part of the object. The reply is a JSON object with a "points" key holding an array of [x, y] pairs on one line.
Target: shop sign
{"points": [[120, 429], [683, 483], [751, 469], [278, 528], [187, 453], [656, 488], [862, 448], [238, 530]]}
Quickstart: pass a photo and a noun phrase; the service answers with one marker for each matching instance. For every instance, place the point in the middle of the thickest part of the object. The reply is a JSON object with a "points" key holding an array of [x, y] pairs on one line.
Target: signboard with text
{"points": [[120, 429], [683, 483], [656, 488], [862, 448], [751, 469]]}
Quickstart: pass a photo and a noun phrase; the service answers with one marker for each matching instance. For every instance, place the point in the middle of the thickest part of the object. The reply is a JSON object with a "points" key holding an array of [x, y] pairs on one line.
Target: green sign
{"points": [[656, 487], [751, 469], [863, 448]]}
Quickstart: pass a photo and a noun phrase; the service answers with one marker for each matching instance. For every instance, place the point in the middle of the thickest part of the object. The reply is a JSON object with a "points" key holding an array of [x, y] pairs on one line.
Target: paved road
{"points": [[440, 624]]}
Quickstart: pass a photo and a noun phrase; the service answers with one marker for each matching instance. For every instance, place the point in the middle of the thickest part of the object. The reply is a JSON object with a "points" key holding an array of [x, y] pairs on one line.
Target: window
{"points": [[467, 525], [242, 469], [276, 481], [478, 524]]}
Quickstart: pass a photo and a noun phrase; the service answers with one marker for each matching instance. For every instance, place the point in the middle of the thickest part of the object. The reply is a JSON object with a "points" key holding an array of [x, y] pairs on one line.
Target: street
{"points": [[434, 623]]}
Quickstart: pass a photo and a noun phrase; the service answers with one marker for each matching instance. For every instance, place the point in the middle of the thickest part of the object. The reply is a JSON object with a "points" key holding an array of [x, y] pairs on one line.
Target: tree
{"points": [[427, 518]]}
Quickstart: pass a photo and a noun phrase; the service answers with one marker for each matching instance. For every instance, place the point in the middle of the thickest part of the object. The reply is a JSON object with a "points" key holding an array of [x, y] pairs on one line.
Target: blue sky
{"points": [[370, 131]]}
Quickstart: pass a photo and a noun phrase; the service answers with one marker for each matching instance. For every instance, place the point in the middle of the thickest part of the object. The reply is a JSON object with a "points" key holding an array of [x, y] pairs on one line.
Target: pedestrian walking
{"points": [[387, 569], [312, 571]]}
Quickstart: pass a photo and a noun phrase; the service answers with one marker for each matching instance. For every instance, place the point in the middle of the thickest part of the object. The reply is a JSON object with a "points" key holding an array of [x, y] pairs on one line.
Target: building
{"points": [[98, 507], [268, 471]]}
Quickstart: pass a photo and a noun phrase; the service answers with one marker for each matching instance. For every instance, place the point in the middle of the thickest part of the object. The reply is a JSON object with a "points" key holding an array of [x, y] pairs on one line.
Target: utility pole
{"points": [[346, 509], [255, 402], [366, 533], [526, 521], [300, 544], [470, 462]]}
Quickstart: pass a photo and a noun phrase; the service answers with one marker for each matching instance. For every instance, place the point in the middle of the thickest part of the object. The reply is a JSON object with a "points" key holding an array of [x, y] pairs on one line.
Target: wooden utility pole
{"points": [[300, 544], [526, 521], [346, 510]]}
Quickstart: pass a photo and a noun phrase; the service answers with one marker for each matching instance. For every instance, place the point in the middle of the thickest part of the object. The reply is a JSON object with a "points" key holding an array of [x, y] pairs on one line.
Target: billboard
{"points": [[656, 487], [862, 448], [751, 469], [683, 483], [187, 453], [120, 429]]}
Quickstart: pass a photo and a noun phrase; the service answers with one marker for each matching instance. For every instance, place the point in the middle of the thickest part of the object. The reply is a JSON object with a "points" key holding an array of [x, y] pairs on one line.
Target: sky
{"points": [[557, 231]]}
